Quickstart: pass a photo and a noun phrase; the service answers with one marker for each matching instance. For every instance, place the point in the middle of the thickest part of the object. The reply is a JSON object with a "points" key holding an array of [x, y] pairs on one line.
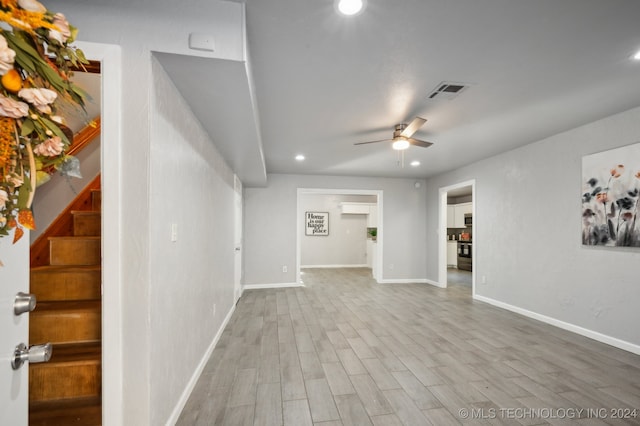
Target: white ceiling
{"points": [[324, 82]]}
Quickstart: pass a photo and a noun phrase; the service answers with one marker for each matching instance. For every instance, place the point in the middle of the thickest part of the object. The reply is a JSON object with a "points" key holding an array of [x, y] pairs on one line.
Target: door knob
{"points": [[34, 354], [24, 302]]}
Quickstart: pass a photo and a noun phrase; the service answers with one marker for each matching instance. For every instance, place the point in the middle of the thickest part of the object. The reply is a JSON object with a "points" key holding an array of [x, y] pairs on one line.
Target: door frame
{"points": [[110, 111], [442, 233], [325, 191], [238, 237]]}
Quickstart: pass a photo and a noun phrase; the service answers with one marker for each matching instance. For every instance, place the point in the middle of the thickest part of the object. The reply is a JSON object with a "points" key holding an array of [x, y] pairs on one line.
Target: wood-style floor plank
{"points": [[344, 350]]}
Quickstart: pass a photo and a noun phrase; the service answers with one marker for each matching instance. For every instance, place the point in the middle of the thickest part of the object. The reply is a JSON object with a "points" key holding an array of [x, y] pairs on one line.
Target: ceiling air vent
{"points": [[447, 90]]}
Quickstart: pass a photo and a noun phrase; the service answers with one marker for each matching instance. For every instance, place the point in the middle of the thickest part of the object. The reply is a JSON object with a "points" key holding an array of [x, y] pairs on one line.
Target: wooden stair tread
{"points": [[71, 411], [67, 305], [78, 237], [86, 212], [70, 282], [66, 268], [75, 250], [74, 371], [75, 352]]}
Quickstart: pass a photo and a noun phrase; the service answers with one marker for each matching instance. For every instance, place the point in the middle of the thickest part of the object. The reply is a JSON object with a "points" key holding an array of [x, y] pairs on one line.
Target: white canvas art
{"points": [[610, 197], [316, 223]]}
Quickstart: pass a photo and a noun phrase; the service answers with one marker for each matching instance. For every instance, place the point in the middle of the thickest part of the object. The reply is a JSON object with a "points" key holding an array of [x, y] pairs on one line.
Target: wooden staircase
{"points": [[66, 279]]}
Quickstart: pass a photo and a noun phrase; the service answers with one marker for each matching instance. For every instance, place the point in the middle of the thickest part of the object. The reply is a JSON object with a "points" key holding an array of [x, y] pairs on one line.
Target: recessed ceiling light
{"points": [[636, 56], [350, 7], [415, 163], [299, 157]]}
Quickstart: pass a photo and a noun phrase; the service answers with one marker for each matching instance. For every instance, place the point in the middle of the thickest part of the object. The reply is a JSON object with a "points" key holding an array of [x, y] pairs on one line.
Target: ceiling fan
{"points": [[402, 136]]}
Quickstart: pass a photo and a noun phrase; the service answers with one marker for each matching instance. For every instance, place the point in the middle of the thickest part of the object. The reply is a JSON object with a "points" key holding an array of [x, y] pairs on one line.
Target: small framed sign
{"points": [[316, 223]]}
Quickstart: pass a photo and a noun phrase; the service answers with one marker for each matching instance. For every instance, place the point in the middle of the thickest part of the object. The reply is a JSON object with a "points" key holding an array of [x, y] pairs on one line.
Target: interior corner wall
{"points": [[193, 188], [346, 244], [270, 230], [527, 233]]}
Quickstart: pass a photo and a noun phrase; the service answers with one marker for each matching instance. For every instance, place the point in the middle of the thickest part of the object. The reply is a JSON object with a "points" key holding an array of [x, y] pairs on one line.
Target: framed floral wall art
{"points": [[611, 197]]}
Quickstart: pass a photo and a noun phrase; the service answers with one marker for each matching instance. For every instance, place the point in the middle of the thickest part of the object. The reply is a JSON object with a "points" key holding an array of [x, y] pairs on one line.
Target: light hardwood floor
{"points": [[346, 351]]}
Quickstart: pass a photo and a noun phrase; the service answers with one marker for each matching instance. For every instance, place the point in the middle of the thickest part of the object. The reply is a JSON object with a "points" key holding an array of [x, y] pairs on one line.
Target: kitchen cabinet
{"points": [[459, 211], [451, 215], [355, 208], [452, 253], [372, 254]]}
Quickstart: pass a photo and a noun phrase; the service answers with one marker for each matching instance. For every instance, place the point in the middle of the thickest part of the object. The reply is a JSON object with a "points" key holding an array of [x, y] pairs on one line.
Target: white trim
{"points": [[436, 284], [334, 266], [407, 281], [275, 285], [177, 410], [603, 338], [442, 232], [112, 328]]}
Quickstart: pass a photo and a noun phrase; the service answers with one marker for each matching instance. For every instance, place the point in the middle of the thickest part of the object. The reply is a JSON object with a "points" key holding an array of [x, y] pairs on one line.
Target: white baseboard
{"points": [[334, 266], [603, 338], [175, 414], [275, 285], [436, 283], [405, 281]]}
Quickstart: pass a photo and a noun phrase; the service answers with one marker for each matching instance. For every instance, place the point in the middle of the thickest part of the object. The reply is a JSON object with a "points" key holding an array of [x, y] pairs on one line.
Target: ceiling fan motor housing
{"points": [[399, 129]]}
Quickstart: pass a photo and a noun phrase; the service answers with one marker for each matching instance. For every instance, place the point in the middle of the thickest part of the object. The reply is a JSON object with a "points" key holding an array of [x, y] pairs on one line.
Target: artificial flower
{"points": [[32, 6], [13, 109], [19, 232], [64, 31], [25, 217], [49, 148], [39, 98], [36, 63], [15, 180], [12, 80], [58, 119], [7, 56]]}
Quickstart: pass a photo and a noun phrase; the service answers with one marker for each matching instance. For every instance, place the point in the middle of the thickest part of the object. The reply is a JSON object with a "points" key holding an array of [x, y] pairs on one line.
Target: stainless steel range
{"points": [[464, 255]]}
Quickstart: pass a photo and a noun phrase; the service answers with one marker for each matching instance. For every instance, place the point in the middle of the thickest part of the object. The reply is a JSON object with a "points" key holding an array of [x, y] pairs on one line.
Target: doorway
{"points": [[369, 252], [457, 248]]}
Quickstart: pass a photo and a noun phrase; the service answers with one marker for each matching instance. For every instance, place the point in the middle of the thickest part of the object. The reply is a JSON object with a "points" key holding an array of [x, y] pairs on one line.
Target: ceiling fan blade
{"points": [[418, 142], [413, 127], [365, 143]]}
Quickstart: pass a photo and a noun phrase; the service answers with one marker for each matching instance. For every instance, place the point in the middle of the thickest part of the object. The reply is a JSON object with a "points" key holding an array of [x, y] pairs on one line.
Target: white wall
{"points": [[192, 187], [346, 244], [127, 24], [527, 234], [270, 226]]}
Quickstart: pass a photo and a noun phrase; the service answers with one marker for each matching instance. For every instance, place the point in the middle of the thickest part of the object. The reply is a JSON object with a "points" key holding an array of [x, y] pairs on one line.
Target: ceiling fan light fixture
{"points": [[350, 7], [400, 143]]}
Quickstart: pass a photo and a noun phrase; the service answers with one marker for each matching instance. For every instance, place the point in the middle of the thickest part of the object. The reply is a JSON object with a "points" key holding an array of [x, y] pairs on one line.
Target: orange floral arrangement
{"points": [[35, 82]]}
